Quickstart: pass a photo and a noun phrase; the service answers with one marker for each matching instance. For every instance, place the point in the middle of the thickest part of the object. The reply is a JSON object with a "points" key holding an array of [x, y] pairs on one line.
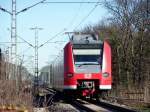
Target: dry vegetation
{"points": [[13, 94]]}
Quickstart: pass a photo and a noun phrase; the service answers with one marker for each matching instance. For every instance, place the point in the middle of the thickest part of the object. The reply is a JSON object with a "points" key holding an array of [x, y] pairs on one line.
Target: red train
{"points": [[83, 68]]}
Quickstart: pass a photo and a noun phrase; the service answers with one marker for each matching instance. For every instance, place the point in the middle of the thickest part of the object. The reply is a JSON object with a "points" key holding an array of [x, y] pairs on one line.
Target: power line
{"points": [[65, 2], [11, 42], [75, 16], [87, 16], [4, 10], [25, 9], [31, 45], [57, 42], [24, 41], [24, 51], [61, 32], [13, 14]]}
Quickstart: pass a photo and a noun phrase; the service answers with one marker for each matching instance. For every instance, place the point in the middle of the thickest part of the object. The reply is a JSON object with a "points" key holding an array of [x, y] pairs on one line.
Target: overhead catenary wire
{"points": [[11, 42], [61, 32], [43, 1], [25, 9], [13, 14], [75, 16], [66, 2], [57, 42], [29, 43], [91, 11], [25, 51], [97, 3], [24, 41], [5, 10]]}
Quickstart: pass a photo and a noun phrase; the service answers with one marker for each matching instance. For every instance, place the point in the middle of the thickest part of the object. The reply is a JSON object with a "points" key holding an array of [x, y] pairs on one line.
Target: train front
{"points": [[87, 66]]}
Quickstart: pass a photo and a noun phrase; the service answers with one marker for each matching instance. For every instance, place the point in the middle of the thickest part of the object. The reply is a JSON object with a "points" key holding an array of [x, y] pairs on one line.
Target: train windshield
{"points": [[87, 59]]}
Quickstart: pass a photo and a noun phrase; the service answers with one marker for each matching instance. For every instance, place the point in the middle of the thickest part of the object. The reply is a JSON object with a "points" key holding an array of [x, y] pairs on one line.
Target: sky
{"points": [[53, 19]]}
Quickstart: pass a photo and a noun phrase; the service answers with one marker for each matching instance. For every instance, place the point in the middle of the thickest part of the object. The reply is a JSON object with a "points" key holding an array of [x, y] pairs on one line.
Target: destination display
{"points": [[87, 46]]}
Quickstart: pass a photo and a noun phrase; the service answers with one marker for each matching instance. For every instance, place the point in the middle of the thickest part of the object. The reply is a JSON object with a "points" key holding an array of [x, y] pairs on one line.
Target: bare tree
{"points": [[128, 31]]}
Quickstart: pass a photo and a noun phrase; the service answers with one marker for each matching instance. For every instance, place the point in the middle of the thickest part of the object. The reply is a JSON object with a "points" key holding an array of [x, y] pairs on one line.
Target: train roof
{"points": [[85, 39]]}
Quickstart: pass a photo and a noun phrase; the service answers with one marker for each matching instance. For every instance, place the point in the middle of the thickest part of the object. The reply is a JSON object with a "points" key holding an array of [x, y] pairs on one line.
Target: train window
{"points": [[87, 55], [87, 63], [87, 59]]}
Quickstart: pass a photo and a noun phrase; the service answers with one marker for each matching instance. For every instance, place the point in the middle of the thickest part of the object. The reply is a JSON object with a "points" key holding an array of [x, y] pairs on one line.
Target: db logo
{"points": [[88, 76]]}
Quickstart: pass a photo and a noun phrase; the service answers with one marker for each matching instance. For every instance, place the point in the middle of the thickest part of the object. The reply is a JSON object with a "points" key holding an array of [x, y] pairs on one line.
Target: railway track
{"points": [[90, 105], [94, 106], [114, 107], [44, 97]]}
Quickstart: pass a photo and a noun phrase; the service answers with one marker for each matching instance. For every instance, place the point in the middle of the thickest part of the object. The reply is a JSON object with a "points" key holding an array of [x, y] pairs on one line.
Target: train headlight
{"points": [[105, 74], [69, 75]]}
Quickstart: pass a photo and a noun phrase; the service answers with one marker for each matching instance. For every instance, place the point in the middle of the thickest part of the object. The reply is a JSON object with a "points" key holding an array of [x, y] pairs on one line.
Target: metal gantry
{"points": [[36, 29], [14, 14], [13, 33]]}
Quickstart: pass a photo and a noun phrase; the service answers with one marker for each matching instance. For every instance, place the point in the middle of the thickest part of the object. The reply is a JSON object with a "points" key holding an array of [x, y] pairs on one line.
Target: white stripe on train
{"points": [[75, 87], [70, 86], [104, 86]]}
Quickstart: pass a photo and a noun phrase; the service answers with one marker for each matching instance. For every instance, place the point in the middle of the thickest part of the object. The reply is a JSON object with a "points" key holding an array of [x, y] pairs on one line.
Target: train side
{"points": [[45, 76], [83, 68], [58, 72]]}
